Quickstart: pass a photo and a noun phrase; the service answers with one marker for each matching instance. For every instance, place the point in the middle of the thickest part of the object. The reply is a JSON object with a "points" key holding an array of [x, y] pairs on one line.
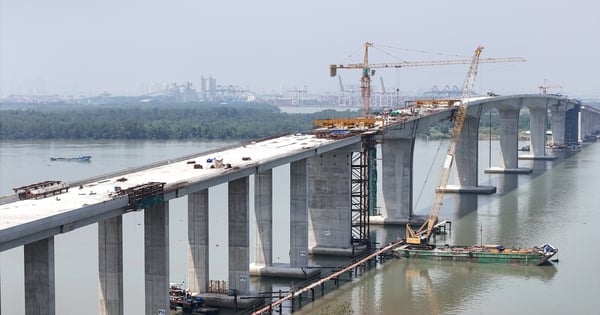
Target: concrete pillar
{"points": [[558, 126], [263, 211], [239, 236], [329, 200], [397, 179], [156, 258], [467, 153], [110, 266], [537, 127], [39, 277], [298, 214], [509, 138], [198, 253]]}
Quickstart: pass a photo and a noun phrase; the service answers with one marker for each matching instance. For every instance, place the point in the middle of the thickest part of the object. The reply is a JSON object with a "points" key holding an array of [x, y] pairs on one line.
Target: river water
{"points": [[557, 203]]}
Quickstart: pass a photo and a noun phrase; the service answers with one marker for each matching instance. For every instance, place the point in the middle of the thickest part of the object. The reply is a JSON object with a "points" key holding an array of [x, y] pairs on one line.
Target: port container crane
{"points": [[368, 72]]}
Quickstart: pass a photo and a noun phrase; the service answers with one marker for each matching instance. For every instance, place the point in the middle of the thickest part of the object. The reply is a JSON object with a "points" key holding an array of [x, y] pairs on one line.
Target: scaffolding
{"points": [[364, 191]]}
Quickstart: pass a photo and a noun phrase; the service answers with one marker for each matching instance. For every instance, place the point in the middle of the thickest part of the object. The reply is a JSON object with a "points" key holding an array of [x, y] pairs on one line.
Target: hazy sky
{"points": [[87, 47]]}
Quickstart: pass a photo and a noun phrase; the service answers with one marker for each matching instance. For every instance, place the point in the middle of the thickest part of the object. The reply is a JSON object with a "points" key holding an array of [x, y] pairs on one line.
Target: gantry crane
{"points": [[422, 235], [367, 72]]}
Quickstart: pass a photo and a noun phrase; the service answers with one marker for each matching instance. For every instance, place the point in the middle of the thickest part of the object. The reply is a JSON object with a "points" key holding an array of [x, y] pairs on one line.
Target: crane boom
{"points": [[423, 234], [367, 71]]}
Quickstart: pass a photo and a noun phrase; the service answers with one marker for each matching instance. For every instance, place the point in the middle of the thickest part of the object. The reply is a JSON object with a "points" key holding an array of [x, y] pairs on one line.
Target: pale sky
{"points": [[87, 47]]}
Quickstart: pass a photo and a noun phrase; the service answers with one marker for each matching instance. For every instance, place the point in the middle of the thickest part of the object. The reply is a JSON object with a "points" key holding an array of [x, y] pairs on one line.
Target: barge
{"points": [[538, 255]]}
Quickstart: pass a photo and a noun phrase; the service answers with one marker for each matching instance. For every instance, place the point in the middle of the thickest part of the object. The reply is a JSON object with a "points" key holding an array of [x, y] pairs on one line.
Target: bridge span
{"points": [[330, 204]]}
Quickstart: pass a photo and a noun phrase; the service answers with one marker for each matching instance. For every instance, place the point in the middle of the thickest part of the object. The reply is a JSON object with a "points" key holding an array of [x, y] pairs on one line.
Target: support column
{"points": [[397, 181], [329, 202], [537, 129], [558, 127], [156, 258], [39, 277], [198, 236], [110, 266], [239, 243], [298, 214], [263, 211], [467, 161], [509, 142], [537, 136]]}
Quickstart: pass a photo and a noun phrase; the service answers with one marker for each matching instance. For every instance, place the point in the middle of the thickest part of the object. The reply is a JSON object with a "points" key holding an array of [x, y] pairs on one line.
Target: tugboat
{"points": [[182, 301]]}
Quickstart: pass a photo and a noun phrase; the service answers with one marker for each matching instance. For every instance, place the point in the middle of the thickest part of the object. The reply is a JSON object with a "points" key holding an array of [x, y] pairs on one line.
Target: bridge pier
{"points": [[198, 250], [110, 266], [509, 142], [467, 161], [156, 258], [299, 214], [329, 202], [397, 179], [39, 277], [537, 136], [239, 243], [263, 211]]}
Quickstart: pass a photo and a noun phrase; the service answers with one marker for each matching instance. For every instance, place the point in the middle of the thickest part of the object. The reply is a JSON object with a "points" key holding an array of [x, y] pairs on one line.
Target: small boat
{"points": [[188, 303], [538, 255], [81, 158]]}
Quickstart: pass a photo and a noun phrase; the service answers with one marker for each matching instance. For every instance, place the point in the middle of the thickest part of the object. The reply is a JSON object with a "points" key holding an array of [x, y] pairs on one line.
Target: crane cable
{"points": [[428, 173]]}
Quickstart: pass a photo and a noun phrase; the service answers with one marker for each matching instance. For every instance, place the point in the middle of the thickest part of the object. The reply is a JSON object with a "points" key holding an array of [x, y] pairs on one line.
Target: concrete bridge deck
{"points": [[24, 221]]}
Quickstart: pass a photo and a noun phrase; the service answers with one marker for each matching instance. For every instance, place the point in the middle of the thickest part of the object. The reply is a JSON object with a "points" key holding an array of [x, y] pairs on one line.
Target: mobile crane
{"points": [[422, 235]]}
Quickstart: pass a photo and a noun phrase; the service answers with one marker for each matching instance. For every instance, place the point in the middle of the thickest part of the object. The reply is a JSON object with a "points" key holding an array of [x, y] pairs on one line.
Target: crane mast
{"points": [[367, 72], [423, 234]]}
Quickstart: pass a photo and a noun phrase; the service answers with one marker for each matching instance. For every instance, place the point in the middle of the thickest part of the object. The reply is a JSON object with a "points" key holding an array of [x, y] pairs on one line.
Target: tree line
{"points": [[154, 122], [191, 121]]}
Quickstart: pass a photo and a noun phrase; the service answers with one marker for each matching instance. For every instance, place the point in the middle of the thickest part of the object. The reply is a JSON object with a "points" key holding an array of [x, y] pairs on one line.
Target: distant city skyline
{"points": [[71, 48]]}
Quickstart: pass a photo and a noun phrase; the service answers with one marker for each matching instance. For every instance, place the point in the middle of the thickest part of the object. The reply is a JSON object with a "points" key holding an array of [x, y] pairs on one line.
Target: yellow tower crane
{"points": [[546, 85], [368, 72]]}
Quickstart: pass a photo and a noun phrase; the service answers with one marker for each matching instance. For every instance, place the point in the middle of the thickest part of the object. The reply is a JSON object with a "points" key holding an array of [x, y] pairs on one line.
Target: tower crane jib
{"points": [[367, 70]]}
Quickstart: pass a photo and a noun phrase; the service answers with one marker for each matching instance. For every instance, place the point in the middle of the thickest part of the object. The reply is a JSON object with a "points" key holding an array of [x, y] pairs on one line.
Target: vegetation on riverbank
{"points": [[191, 121], [156, 122]]}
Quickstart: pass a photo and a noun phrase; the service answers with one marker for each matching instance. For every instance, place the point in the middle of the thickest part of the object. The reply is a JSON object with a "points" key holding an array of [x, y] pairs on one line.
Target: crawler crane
{"points": [[422, 235]]}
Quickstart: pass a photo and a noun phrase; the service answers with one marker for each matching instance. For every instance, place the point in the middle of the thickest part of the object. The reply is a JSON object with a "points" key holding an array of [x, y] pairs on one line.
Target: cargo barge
{"points": [[538, 255]]}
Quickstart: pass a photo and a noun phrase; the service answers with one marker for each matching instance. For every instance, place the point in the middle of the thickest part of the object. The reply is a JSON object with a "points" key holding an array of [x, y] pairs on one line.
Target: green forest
{"points": [[190, 121]]}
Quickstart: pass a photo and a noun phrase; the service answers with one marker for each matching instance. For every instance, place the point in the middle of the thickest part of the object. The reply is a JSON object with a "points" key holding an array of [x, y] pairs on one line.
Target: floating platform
{"points": [[502, 170], [537, 157], [284, 271]]}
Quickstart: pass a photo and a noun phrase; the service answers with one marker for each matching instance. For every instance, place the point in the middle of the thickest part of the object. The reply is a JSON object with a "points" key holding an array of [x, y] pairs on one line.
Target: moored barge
{"points": [[537, 255]]}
